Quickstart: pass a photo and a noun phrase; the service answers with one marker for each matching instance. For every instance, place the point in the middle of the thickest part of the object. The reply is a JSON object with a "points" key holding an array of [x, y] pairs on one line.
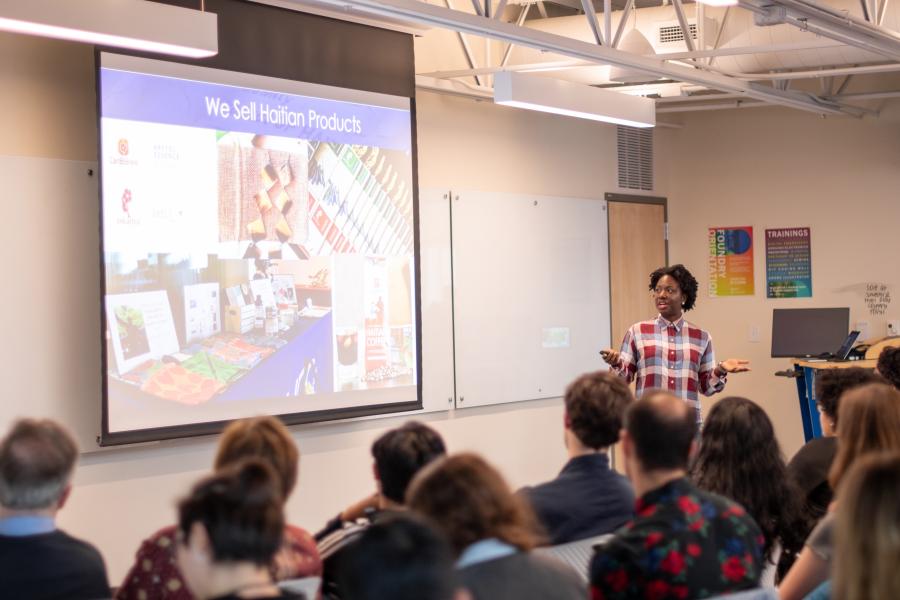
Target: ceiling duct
{"points": [[634, 42], [795, 49]]}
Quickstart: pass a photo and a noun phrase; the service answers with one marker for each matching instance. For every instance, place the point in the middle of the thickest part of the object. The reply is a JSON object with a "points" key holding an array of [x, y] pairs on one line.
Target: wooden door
{"points": [[637, 247]]}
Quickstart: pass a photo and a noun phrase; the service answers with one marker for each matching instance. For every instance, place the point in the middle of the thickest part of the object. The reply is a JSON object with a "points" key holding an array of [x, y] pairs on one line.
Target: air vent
{"points": [[669, 34], [635, 145]]}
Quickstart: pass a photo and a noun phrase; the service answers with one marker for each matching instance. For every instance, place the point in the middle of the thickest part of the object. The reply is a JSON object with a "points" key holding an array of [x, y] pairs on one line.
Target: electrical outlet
{"points": [[754, 334], [893, 327]]}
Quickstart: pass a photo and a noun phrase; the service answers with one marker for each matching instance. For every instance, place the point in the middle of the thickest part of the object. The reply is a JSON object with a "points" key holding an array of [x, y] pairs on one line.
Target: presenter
{"points": [[669, 353]]}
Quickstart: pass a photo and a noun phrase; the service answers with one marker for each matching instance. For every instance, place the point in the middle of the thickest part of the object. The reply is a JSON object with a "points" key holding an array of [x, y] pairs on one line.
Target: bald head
{"points": [[662, 428]]}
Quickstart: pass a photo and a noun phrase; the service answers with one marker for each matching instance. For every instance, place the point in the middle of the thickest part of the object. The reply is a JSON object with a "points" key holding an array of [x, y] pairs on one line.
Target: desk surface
{"points": [[845, 364]]}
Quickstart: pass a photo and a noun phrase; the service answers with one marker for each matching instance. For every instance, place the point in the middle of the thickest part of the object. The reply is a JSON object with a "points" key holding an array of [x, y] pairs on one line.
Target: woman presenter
{"points": [[669, 353]]}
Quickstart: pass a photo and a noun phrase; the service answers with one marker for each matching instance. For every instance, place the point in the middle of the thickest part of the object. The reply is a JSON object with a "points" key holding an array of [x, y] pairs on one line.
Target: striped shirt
{"points": [[676, 357]]}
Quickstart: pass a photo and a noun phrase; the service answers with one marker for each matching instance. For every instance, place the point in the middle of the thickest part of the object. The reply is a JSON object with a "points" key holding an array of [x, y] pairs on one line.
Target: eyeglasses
{"points": [[670, 291]]}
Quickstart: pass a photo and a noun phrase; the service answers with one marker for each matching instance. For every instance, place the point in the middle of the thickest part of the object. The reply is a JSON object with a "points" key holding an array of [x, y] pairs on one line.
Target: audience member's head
{"points": [[831, 384], [595, 406], [401, 558], [37, 458], [469, 501], [738, 450], [230, 527], [400, 453], [869, 423], [889, 365], [867, 536], [263, 438], [659, 434]]}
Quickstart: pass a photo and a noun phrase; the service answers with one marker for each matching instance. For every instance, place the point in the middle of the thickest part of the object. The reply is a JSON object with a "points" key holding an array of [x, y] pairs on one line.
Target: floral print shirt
{"points": [[683, 543]]}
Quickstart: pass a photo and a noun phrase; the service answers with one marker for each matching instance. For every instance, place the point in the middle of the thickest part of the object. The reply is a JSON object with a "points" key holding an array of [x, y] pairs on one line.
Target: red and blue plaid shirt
{"points": [[676, 357]]}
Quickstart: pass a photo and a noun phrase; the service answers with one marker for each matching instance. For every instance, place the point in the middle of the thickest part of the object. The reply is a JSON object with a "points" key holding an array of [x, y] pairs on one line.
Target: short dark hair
{"points": [[241, 509], [832, 383], [889, 365], [595, 405], [37, 458], [398, 557], [686, 282], [662, 427], [401, 452]]}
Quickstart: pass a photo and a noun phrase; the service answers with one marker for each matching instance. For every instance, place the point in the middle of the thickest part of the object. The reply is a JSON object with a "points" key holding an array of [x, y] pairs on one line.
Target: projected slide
{"points": [[258, 242]]}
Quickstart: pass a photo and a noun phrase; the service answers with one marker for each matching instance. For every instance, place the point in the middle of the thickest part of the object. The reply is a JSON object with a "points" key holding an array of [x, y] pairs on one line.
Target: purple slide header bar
{"points": [[158, 99]]}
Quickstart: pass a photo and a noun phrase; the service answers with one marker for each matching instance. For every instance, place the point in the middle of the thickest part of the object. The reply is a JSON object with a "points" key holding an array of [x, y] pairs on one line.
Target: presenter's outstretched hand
{"points": [[736, 365], [610, 357]]}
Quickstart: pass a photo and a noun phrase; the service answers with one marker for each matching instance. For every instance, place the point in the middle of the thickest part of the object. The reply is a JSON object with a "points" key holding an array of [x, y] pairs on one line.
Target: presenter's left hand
{"points": [[736, 365]]}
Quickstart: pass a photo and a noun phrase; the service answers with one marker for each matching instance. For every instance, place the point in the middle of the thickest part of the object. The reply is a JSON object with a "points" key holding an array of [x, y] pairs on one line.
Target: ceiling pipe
{"points": [[467, 23]]}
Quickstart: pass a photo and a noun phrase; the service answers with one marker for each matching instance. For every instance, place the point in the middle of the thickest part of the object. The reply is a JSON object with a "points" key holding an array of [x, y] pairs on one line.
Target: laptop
{"points": [[844, 351]]}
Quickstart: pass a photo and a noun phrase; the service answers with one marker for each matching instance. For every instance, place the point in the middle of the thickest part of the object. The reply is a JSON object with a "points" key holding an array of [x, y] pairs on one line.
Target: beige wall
{"points": [[778, 168]]}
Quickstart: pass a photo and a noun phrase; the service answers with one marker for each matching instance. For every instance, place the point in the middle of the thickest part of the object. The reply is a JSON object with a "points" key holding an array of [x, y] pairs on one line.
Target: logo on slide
{"points": [[123, 147], [126, 200]]}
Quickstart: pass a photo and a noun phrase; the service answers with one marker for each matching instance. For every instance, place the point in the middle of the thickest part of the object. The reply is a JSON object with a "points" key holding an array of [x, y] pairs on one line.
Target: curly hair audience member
{"points": [[738, 450], [155, 575], [869, 424], [491, 532], [889, 365], [229, 529]]}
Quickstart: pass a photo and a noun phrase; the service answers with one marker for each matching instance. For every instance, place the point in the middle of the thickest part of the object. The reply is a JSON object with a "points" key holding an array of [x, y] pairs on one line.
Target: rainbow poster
{"points": [[730, 261]]}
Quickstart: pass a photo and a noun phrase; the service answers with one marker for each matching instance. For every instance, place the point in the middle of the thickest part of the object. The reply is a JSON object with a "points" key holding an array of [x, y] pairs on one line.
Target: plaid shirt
{"points": [[677, 357]]}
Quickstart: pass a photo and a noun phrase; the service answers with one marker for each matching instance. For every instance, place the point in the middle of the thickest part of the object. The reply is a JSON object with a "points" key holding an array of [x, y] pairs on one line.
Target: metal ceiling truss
{"points": [[466, 23]]}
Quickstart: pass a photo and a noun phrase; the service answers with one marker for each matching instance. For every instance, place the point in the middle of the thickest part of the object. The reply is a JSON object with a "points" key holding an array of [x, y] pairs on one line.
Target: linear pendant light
{"points": [[134, 24], [572, 99]]}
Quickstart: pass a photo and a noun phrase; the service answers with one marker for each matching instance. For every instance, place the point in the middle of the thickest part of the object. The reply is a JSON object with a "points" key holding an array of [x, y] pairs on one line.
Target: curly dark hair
{"points": [[739, 458], [595, 407], [831, 383], [686, 281], [889, 365]]}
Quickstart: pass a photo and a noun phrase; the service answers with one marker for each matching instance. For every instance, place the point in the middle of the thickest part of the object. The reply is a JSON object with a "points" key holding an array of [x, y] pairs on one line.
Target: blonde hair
{"points": [[869, 421], [867, 538]]}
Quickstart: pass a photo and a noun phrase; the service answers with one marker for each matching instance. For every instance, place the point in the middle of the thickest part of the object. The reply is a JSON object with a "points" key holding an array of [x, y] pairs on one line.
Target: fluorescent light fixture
{"points": [[134, 24], [572, 99], [719, 2]]}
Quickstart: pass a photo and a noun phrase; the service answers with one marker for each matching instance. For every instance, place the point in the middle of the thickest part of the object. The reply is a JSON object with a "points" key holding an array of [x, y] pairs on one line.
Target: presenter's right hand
{"points": [[611, 357]]}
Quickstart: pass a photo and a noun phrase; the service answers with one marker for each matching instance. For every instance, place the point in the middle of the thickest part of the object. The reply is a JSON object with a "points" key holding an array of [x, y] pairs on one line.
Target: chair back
{"points": [[576, 554]]}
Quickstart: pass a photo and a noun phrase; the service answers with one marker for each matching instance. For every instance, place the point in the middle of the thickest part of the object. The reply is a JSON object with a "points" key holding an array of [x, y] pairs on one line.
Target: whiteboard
{"points": [[530, 293]]}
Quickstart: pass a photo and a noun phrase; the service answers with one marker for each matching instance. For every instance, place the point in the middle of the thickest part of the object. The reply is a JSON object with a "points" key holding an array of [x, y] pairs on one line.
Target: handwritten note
{"points": [[878, 298]]}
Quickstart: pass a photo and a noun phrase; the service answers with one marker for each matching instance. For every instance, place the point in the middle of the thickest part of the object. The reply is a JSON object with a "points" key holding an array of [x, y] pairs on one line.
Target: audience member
{"points": [[889, 365], [809, 467], [587, 498], [400, 558], [867, 535], [869, 424], [738, 450], [491, 531], [684, 542], [229, 529], [155, 574], [37, 560], [399, 454]]}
